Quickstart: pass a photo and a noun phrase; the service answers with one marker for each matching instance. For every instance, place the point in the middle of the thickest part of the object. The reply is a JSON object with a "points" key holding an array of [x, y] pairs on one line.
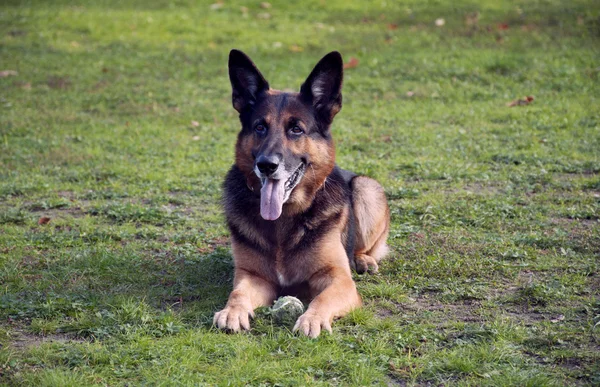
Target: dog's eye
{"points": [[260, 129], [296, 130]]}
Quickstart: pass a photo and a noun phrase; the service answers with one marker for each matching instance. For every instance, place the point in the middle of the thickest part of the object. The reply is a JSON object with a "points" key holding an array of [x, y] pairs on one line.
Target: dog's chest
{"points": [[289, 252]]}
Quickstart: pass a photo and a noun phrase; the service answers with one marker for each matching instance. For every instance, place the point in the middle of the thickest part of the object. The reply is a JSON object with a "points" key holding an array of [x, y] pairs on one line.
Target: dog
{"points": [[298, 222]]}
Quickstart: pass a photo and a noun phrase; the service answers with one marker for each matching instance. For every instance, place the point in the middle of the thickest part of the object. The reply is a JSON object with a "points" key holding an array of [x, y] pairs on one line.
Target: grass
{"points": [[118, 127]]}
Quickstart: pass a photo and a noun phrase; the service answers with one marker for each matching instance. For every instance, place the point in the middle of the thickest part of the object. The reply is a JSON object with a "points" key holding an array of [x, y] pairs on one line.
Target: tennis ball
{"points": [[286, 310]]}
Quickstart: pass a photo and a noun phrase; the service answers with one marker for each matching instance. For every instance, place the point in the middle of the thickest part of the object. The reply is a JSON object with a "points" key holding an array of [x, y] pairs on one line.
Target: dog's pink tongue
{"points": [[271, 199]]}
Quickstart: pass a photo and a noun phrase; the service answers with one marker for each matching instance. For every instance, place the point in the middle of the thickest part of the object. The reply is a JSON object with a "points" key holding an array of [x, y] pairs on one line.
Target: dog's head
{"points": [[285, 146]]}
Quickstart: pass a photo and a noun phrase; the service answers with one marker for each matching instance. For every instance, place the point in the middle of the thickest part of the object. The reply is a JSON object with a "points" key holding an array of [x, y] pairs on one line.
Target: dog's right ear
{"points": [[246, 81]]}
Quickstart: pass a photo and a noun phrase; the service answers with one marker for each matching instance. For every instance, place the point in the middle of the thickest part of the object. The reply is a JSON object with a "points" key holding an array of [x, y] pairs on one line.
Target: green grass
{"points": [[119, 128]]}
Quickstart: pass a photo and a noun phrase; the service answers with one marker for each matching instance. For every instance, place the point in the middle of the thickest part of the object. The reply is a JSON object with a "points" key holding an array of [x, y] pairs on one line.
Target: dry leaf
{"points": [[521, 102], [195, 124], [503, 26], [472, 19], [352, 63], [296, 48], [392, 26], [557, 319], [217, 5], [8, 73], [265, 5], [440, 22], [195, 138], [44, 220]]}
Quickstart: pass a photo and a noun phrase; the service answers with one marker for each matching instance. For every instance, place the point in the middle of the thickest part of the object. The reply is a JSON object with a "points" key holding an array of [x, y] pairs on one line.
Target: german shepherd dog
{"points": [[298, 222]]}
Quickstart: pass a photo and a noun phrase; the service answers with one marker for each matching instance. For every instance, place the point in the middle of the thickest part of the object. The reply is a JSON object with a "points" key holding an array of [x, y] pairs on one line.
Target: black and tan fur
{"points": [[332, 220]]}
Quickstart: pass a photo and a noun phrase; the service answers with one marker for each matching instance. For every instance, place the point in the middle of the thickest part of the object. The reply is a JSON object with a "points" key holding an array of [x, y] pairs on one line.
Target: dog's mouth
{"points": [[275, 192]]}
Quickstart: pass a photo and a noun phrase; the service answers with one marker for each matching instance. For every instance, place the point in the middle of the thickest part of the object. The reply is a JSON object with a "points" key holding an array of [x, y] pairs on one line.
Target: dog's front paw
{"points": [[311, 323], [234, 318]]}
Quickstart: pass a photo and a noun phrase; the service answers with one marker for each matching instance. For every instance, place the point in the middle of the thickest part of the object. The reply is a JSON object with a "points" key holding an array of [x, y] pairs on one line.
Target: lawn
{"points": [[116, 130]]}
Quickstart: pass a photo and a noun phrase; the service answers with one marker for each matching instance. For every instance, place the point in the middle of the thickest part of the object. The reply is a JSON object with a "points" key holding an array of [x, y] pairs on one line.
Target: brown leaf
{"points": [[217, 5], [472, 19], [8, 73], [44, 220], [392, 26], [521, 102], [352, 63], [503, 26]]}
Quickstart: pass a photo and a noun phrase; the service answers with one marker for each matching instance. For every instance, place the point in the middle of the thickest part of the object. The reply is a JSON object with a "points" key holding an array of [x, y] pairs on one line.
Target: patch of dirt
{"points": [[221, 241], [22, 340], [476, 188], [56, 82], [466, 311]]}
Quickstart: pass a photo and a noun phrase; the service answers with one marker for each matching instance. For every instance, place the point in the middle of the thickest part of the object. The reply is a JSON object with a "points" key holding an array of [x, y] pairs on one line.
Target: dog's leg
{"points": [[249, 292], [332, 288], [372, 217], [337, 296]]}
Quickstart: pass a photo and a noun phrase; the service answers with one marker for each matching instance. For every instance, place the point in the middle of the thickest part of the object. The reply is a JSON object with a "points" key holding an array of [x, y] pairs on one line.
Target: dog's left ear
{"points": [[246, 81], [323, 87]]}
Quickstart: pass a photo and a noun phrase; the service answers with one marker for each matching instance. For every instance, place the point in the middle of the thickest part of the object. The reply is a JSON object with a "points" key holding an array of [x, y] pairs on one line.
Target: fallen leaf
{"points": [[195, 138], [217, 5], [392, 26], [296, 48], [75, 44], [265, 5], [503, 26], [352, 63], [44, 220], [557, 319], [521, 102], [472, 19], [8, 73], [440, 22], [195, 124]]}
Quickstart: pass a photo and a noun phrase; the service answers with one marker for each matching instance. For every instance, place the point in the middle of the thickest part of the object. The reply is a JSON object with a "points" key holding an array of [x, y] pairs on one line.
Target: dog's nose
{"points": [[267, 165]]}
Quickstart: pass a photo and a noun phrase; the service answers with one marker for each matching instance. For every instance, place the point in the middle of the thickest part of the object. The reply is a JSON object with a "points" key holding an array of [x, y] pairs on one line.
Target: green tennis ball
{"points": [[286, 310]]}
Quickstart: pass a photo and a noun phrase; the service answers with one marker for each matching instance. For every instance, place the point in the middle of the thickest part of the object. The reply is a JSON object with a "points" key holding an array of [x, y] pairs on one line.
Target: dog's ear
{"points": [[246, 81], [323, 87]]}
